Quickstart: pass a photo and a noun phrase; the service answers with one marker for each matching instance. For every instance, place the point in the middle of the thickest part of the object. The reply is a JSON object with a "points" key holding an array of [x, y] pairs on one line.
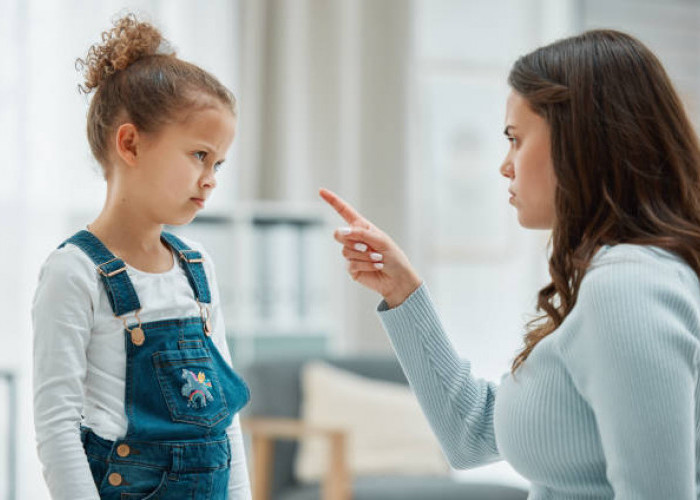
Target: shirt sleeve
{"points": [[459, 407], [62, 318], [635, 363], [239, 482]]}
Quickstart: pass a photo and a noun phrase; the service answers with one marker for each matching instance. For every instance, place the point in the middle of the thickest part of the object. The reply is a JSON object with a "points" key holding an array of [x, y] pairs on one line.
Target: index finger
{"points": [[343, 208]]}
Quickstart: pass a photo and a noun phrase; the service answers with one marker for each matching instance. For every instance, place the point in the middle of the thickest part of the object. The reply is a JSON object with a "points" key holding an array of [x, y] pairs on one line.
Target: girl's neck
{"points": [[126, 236]]}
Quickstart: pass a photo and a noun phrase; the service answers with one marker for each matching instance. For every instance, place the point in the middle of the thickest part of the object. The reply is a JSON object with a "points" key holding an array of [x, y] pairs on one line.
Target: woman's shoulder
{"points": [[651, 257], [628, 252], [636, 267], [627, 292]]}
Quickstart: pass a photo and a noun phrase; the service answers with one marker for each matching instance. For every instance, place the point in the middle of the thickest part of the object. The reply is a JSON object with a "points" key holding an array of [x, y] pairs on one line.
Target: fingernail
{"points": [[378, 265], [344, 230], [375, 256], [360, 247]]}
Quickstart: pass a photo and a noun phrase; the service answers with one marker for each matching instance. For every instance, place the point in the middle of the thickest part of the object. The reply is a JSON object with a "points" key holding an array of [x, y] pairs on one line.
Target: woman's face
{"points": [[528, 164]]}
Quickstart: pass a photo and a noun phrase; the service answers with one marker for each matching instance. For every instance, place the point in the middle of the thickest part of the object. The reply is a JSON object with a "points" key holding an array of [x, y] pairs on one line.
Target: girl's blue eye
{"points": [[511, 140], [201, 155]]}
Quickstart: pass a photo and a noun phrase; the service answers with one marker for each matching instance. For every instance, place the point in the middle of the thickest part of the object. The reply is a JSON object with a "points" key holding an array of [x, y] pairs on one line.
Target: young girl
{"points": [[605, 402], [134, 394]]}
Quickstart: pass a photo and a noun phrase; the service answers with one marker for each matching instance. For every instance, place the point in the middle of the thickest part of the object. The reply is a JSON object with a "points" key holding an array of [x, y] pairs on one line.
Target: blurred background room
{"points": [[396, 105]]}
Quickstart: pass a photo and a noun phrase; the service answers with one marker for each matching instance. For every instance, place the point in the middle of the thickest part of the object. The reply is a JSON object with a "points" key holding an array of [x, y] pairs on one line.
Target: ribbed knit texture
{"points": [[605, 407]]}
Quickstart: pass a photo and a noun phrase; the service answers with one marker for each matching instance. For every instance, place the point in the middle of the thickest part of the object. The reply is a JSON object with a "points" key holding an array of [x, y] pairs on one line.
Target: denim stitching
{"points": [[161, 487], [164, 324], [190, 344], [113, 296]]}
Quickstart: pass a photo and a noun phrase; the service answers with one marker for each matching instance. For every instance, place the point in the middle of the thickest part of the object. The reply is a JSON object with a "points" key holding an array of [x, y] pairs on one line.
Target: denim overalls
{"points": [[180, 396]]}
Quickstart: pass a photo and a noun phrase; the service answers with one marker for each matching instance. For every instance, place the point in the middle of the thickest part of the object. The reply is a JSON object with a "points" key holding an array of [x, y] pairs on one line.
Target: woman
{"points": [[601, 401]]}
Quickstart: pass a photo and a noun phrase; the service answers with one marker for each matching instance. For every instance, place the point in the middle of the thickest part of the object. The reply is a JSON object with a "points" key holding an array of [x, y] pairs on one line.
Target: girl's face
{"points": [[529, 165], [176, 169]]}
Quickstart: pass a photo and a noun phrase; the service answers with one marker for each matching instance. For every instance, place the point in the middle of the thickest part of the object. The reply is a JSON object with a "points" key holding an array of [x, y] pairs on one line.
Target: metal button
{"points": [[137, 336], [115, 479], [123, 450]]}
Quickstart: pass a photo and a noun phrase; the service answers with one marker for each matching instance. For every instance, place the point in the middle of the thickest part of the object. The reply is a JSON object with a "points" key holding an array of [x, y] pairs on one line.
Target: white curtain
{"points": [[325, 102]]}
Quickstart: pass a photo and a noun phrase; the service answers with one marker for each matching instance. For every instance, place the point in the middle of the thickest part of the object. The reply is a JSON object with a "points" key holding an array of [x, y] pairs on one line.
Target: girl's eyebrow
{"points": [[204, 145]]}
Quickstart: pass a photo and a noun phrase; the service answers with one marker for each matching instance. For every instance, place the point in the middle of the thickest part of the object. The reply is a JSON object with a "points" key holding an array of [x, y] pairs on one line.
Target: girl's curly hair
{"points": [[137, 78]]}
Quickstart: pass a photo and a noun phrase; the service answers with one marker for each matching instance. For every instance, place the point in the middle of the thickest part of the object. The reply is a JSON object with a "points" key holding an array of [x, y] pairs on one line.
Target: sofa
{"points": [[272, 421]]}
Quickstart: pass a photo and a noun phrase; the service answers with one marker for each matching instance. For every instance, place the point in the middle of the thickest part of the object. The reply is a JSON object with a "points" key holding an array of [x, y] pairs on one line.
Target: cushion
{"points": [[387, 431]]}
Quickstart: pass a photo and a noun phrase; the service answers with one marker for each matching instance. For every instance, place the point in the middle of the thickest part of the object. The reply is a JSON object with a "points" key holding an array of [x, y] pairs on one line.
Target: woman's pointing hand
{"points": [[374, 260]]}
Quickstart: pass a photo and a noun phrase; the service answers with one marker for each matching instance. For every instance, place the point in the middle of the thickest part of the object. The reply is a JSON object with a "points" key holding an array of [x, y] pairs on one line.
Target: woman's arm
{"points": [[62, 319], [636, 364], [458, 407]]}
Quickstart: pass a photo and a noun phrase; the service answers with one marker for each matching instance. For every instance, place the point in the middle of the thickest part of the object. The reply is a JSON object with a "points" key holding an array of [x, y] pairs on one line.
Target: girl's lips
{"points": [[198, 201]]}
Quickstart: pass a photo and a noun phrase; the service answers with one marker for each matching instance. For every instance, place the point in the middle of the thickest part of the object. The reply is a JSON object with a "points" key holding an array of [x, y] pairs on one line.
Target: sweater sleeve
{"points": [[239, 482], [62, 319], [635, 363], [458, 406]]}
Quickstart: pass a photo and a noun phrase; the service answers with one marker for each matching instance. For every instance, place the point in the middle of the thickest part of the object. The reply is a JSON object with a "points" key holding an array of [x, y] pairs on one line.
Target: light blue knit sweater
{"points": [[605, 407]]}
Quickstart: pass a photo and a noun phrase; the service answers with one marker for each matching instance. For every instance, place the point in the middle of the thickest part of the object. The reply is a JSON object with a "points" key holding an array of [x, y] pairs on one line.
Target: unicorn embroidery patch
{"points": [[195, 389]]}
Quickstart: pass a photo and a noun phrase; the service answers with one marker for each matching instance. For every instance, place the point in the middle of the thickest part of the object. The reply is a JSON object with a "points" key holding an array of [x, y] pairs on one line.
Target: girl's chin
{"points": [[180, 221]]}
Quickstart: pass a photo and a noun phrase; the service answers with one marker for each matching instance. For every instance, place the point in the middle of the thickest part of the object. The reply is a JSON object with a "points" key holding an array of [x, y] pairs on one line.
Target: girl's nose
{"points": [[208, 181]]}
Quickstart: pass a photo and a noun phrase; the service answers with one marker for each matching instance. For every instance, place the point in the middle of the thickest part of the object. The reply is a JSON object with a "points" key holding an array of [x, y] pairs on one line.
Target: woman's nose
{"points": [[507, 168]]}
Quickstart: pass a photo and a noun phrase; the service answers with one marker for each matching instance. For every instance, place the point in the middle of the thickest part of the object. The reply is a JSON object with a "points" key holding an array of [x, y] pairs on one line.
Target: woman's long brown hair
{"points": [[625, 155]]}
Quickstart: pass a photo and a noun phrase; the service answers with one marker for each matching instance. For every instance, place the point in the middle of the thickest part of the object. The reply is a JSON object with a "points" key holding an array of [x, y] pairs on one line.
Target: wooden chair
{"points": [[336, 484]]}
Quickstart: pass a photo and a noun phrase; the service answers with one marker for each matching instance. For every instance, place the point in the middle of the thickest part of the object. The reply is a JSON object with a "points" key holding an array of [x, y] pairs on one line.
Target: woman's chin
{"points": [[532, 222]]}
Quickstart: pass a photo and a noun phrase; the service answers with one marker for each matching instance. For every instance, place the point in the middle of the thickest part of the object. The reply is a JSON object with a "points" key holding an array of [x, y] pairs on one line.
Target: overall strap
{"points": [[191, 261], [120, 290]]}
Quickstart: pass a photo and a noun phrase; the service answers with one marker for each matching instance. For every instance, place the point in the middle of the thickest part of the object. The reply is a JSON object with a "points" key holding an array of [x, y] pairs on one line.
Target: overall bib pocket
{"points": [[190, 386]]}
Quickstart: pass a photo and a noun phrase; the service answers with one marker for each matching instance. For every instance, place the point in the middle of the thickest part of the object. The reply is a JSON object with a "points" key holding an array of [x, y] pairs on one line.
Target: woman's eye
{"points": [[203, 153]]}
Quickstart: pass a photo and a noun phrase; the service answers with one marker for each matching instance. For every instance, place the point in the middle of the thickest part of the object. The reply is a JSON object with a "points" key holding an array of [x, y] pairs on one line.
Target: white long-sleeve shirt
{"points": [[80, 362]]}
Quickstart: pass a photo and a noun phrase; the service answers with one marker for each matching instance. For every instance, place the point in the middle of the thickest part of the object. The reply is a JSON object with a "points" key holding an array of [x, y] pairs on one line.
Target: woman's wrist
{"points": [[400, 293]]}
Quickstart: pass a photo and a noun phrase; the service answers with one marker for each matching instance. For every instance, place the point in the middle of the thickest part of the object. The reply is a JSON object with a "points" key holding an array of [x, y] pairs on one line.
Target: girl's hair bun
{"points": [[129, 41]]}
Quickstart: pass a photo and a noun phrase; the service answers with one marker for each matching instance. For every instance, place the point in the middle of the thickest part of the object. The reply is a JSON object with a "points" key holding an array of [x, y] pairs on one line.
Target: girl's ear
{"points": [[127, 143]]}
